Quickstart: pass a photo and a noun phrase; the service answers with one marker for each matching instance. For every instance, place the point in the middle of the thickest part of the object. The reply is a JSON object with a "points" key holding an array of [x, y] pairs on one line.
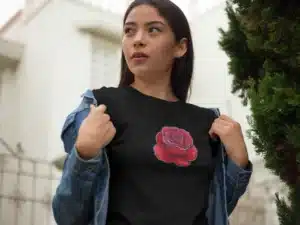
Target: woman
{"points": [[139, 154]]}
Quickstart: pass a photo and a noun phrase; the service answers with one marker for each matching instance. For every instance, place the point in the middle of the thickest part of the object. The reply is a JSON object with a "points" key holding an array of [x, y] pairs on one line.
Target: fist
{"points": [[95, 132], [230, 133]]}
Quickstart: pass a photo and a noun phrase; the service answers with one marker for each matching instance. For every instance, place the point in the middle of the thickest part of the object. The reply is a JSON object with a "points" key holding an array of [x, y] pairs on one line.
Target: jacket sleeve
{"points": [[237, 180], [73, 200]]}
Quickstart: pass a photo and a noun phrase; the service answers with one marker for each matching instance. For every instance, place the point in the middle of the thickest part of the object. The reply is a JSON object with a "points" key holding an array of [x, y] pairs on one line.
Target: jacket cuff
{"points": [[237, 174], [84, 169]]}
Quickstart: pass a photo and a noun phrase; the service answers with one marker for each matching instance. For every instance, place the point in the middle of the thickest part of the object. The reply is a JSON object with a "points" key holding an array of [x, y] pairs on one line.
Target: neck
{"points": [[158, 89]]}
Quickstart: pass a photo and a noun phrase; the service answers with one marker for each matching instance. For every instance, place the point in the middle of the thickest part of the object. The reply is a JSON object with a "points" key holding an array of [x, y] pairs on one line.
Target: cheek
{"points": [[125, 50], [164, 55], [165, 51]]}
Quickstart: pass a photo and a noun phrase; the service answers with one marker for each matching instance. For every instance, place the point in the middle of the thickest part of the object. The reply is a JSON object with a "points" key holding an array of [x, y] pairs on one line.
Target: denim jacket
{"points": [[81, 197]]}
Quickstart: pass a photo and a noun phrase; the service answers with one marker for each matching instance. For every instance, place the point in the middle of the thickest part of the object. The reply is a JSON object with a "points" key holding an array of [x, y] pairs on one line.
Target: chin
{"points": [[140, 70]]}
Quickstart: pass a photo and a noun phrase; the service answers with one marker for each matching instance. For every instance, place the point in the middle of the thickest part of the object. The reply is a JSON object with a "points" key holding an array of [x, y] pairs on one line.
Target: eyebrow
{"points": [[148, 23]]}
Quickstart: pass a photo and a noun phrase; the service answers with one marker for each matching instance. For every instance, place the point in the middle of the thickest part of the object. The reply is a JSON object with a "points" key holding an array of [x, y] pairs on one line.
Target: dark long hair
{"points": [[182, 70]]}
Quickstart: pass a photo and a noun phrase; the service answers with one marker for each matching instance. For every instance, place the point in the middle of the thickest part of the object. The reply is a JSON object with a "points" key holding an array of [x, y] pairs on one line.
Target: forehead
{"points": [[143, 14]]}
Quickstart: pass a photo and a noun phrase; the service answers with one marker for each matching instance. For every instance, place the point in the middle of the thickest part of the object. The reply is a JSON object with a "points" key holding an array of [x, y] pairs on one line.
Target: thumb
{"points": [[101, 108], [212, 133]]}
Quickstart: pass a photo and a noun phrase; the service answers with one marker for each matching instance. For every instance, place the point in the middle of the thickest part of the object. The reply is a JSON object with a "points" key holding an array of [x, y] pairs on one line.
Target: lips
{"points": [[139, 55]]}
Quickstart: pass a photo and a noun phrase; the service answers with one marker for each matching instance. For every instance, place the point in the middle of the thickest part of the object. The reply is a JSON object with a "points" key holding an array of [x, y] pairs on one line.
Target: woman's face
{"points": [[148, 43]]}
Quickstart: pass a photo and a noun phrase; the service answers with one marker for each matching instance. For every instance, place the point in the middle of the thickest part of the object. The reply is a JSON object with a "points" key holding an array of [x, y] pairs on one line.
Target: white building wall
{"points": [[72, 74], [106, 60], [9, 107], [15, 31], [56, 69]]}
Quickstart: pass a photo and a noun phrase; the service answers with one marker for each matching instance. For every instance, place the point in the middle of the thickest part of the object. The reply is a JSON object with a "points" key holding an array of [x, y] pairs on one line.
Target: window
{"points": [[105, 66]]}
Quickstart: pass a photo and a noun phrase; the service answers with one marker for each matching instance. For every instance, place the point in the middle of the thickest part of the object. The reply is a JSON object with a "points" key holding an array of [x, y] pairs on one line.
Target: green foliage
{"points": [[275, 107], [263, 45], [262, 35], [289, 214]]}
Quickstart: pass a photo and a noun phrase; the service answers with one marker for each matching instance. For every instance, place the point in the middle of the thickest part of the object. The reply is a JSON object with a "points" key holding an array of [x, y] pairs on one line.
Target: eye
{"points": [[128, 30], [154, 30]]}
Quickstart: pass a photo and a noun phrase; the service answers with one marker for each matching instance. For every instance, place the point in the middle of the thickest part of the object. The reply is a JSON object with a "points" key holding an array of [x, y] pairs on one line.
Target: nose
{"points": [[139, 39]]}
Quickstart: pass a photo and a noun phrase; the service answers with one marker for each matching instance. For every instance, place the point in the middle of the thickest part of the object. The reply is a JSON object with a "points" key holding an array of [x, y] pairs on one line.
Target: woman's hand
{"points": [[231, 135], [95, 132]]}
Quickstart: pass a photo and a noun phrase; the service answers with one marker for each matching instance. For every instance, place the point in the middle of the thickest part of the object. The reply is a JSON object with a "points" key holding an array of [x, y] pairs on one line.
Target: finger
{"points": [[211, 133], [98, 110], [225, 117], [102, 128], [104, 118], [213, 126], [101, 108], [223, 122], [110, 131], [211, 130], [230, 122], [218, 129]]}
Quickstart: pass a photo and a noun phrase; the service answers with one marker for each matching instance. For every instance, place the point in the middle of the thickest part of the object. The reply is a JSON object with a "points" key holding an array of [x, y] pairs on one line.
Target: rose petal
{"points": [[169, 129], [175, 145], [175, 151], [188, 140], [182, 163], [178, 138], [161, 154], [191, 154], [170, 134], [159, 138], [167, 134]]}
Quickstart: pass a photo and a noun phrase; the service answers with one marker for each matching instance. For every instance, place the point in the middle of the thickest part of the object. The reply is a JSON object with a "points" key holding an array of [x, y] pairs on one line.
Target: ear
{"points": [[181, 48]]}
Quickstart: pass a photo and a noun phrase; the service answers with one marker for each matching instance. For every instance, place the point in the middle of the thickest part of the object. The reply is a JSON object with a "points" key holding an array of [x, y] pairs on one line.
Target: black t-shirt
{"points": [[161, 159]]}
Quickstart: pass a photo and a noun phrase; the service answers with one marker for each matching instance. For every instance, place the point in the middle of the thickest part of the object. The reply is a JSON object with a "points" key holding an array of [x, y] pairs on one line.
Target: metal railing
{"points": [[26, 188]]}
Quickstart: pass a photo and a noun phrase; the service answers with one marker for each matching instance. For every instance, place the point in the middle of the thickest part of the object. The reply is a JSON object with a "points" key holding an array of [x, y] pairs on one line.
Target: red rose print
{"points": [[175, 145]]}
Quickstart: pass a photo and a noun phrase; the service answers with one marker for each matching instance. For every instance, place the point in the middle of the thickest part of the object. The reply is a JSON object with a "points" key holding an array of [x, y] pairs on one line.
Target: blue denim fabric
{"points": [[82, 195]]}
